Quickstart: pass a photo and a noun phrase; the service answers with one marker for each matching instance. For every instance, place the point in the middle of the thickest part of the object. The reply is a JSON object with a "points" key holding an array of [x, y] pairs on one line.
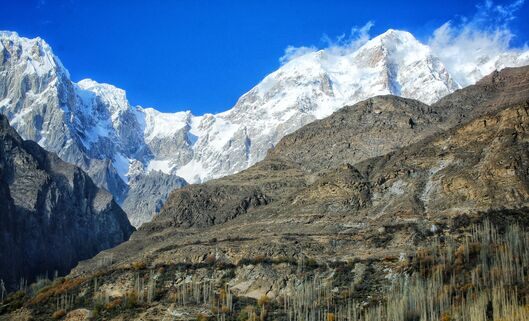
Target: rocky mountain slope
{"points": [[305, 179], [301, 236], [383, 124], [52, 214], [317, 197], [131, 150]]}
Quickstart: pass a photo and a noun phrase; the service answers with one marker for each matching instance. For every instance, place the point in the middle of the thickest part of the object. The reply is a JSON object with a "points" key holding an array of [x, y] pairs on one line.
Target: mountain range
{"points": [[364, 183], [434, 228], [140, 154], [438, 161]]}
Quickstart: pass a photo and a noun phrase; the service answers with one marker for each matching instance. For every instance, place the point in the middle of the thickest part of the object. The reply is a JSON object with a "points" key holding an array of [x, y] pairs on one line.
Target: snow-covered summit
{"points": [[115, 98], [35, 54], [160, 125]]}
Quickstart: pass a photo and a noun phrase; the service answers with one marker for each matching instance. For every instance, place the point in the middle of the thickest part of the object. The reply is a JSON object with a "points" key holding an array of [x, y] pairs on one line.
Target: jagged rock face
{"points": [[295, 203], [473, 168], [45, 106], [222, 200], [87, 124], [93, 125], [52, 214], [156, 183], [368, 129], [494, 91]]}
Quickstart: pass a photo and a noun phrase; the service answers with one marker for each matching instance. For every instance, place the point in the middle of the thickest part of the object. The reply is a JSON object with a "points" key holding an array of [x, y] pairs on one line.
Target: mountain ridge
{"points": [[116, 142]]}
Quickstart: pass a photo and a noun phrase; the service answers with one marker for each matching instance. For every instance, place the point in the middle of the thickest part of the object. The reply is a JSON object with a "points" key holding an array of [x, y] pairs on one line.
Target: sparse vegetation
{"points": [[202, 317], [260, 259], [58, 287], [13, 301], [113, 304], [480, 277], [131, 299], [263, 300], [484, 278], [247, 314], [40, 284]]}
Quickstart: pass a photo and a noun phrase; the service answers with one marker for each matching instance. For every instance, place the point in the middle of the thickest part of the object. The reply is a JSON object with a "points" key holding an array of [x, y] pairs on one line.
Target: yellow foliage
{"points": [[113, 304], [61, 287], [58, 314], [138, 265], [202, 317], [445, 317], [263, 300]]}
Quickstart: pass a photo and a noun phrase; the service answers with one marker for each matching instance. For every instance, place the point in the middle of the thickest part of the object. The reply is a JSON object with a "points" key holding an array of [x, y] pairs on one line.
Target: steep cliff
{"points": [[52, 215]]}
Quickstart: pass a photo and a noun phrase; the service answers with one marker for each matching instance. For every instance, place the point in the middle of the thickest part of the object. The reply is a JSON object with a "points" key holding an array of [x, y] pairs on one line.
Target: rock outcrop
{"points": [[52, 215], [158, 185]]}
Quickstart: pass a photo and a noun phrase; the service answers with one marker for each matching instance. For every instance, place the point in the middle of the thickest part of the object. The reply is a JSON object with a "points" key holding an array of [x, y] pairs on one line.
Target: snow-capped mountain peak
{"points": [[35, 54], [115, 98]]}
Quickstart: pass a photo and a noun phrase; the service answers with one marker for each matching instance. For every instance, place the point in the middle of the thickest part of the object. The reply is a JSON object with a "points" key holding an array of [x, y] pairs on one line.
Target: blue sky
{"points": [[203, 55]]}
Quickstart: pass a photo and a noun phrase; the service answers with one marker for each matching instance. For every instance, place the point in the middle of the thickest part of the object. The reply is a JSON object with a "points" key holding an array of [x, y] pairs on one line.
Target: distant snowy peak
{"points": [[151, 122], [115, 98], [469, 73], [318, 83], [35, 54], [397, 41], [409, 68]]}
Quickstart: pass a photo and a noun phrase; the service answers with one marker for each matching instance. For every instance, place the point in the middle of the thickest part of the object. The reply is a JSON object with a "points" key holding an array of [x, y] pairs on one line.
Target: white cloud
{"points": [[345, 44], [463, 43], [293, 52], [340, 45]]}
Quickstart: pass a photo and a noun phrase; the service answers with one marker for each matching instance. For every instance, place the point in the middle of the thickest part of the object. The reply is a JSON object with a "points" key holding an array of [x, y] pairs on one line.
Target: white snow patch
{"points": [[163, 166], [192, 172], [115, 98], [398, 187], [429, 187], [160, 125], [221, 132]]}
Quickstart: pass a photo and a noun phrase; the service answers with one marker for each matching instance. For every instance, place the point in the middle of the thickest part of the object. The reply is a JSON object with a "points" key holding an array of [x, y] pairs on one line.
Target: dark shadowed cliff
{"points": [[52, 215]]}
